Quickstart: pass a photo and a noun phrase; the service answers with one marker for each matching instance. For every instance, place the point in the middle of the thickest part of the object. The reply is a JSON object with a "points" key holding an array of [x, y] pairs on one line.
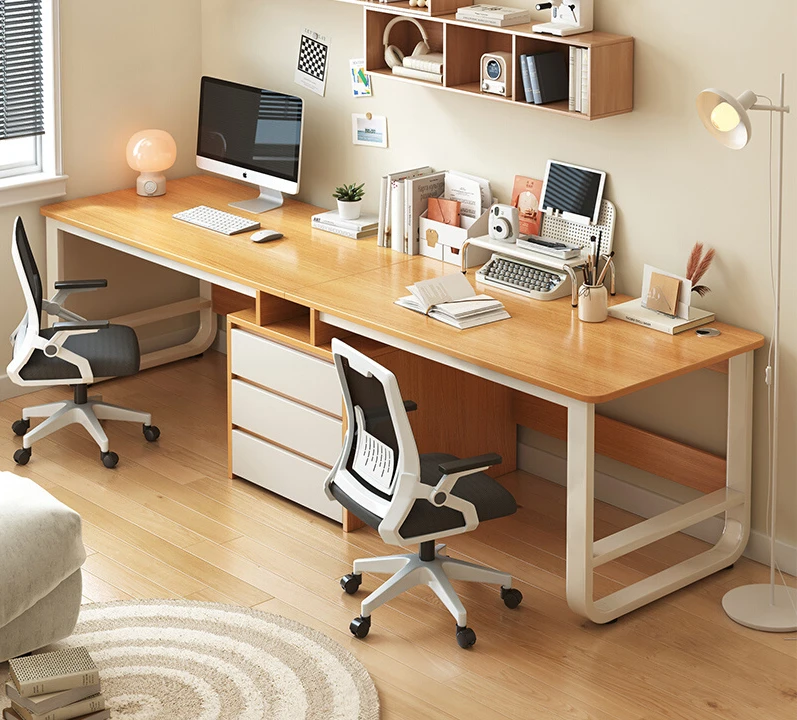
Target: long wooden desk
{"points": [[312, 286]]}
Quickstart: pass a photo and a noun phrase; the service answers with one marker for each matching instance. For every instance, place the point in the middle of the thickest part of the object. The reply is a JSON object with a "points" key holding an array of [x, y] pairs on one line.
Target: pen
{"points": [[598, 254]]}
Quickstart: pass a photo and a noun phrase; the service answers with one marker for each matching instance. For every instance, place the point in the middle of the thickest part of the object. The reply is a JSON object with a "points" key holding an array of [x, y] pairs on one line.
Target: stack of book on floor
{"points": [[60, 685], [451, 300], [363, 227]]}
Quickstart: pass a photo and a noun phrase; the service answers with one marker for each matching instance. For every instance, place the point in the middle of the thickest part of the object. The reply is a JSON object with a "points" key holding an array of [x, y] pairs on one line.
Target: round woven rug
{"points": [[186, 660]]}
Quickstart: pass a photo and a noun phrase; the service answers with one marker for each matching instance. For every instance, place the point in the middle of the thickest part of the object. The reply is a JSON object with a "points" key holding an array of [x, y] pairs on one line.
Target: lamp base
{"points": [[151, 184], [750, 606]]}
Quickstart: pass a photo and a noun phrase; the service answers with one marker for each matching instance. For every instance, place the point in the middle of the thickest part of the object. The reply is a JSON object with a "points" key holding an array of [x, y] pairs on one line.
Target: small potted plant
{"points": [[349, 199]]}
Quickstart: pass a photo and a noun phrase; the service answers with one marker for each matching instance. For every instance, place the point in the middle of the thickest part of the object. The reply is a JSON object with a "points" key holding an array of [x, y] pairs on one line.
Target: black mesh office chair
{"points": [[73, 352], [409, 498]]}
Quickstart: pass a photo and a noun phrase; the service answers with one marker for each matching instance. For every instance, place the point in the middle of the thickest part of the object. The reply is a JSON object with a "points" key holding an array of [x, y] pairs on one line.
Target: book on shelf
{"points": [[534, 80], [551, 71], [495, 15], [345, 232], [634, 312], [578, 80], [53, 671], [10, 714], [418, 74], [42, 704], [585, 81], [431, 62], [526, 77], [571, 85], [87, 706], [452, 300], [333, 218]]}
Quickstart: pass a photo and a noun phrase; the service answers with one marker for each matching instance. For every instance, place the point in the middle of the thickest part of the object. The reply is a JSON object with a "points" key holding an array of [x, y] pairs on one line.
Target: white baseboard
{"points": [[647, 504]]}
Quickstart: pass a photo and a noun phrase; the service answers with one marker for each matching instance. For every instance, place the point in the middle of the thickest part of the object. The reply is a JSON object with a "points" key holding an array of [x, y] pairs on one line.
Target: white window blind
{"points": [[21, 69]]}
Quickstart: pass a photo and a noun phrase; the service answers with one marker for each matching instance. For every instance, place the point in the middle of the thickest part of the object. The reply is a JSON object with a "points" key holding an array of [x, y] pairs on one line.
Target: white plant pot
{"points": [[349, 210]]}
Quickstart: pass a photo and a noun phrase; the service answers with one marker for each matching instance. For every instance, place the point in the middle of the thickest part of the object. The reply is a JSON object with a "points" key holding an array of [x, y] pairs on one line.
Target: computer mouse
{"points": [[264, 236]]}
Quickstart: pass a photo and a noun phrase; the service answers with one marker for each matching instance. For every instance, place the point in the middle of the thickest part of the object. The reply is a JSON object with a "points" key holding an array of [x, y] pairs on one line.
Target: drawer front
{"points": [[287, 423], [286, 371], [283, 472]]}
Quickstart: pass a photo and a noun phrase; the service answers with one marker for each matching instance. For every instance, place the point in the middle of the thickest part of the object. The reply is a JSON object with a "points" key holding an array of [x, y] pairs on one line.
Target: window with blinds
{"points": [[21, 69]]}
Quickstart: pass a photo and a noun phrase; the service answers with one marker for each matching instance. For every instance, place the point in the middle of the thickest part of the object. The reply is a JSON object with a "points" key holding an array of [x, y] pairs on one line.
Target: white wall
{"points": [[125, 67], [671, 182]]}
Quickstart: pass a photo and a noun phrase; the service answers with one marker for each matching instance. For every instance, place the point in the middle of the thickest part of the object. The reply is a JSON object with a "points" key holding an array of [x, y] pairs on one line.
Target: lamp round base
{"points": [[750, 606], [151, 184]]}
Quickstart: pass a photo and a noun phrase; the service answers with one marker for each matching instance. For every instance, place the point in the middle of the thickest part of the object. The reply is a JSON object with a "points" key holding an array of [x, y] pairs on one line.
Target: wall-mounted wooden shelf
{"points": [[611, 57]]}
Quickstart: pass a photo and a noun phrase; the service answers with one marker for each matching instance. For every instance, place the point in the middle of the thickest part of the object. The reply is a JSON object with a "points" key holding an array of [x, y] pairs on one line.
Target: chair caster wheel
{"points": [[151, 432], [360, 626], [465, 637], [20, 427], [351, 583], [109, 459], [511, 597], [22, 456]]}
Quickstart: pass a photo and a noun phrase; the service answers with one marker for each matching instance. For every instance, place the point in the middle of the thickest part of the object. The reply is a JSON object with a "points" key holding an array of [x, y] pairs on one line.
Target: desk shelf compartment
{"points": [[610, 58], [434, 7]]}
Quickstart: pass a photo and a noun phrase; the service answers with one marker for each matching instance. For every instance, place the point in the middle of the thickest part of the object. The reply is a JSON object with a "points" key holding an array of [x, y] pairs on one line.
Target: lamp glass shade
{"points": [[151, 151], [725, 116]]}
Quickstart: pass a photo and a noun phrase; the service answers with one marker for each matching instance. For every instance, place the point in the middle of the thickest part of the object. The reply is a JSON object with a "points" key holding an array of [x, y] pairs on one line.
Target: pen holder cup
{"points": [[593, 303]]}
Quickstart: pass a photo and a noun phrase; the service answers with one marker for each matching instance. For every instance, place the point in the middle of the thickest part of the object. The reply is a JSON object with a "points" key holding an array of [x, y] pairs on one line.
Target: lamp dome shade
{"points": [[151, 151], [725, 116]]}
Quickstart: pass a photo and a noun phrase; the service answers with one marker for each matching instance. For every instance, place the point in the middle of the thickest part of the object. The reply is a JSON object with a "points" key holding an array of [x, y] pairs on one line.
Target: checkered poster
{"points": [[313, 63]]}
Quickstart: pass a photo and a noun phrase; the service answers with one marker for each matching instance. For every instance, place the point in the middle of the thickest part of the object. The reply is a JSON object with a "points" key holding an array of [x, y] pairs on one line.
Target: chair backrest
{"points": [[379, 467], [29, 277]]}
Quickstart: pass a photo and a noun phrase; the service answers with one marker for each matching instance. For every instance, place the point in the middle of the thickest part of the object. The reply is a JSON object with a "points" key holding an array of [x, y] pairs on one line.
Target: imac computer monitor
{"points": [[251, 134]]}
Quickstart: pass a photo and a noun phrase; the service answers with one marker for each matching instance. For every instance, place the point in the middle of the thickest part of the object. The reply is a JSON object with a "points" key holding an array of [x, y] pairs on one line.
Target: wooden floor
{"points": [[168, 523]]}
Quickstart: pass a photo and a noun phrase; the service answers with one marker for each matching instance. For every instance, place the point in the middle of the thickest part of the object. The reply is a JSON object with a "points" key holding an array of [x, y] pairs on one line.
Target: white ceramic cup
{"points": [[593, 303]]}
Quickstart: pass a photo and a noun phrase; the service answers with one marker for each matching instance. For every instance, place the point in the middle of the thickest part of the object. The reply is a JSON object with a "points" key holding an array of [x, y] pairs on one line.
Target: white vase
{"points": [[349, 210]]}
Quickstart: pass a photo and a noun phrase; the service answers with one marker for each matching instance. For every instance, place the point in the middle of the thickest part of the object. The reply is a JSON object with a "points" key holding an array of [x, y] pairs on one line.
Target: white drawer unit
{"points": [[286, 371], [287, 423], [284, 473]]}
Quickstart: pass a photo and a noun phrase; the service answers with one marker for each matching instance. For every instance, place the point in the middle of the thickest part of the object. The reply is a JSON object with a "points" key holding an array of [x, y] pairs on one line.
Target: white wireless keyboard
{"points": [[216, 220]]}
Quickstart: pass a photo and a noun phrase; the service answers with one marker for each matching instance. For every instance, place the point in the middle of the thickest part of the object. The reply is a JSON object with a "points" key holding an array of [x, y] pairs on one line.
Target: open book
{"points": [[451, 299]]}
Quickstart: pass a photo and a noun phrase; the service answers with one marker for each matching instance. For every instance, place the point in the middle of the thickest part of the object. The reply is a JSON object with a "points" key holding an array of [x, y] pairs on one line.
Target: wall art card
{"points": [[369, 130], [313, 64], [360, 80]]}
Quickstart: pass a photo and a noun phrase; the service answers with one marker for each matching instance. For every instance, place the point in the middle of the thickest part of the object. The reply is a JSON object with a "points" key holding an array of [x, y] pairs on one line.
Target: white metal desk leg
{"points": [[55, 260], [580, 506]]}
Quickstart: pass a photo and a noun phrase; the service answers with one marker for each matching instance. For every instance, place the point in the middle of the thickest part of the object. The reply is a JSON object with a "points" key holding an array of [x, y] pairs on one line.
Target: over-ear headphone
{"points": [[393, 56]]}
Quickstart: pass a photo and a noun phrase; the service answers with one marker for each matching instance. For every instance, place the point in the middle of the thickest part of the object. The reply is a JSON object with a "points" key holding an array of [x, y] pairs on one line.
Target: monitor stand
{"points": [[267, 200]]}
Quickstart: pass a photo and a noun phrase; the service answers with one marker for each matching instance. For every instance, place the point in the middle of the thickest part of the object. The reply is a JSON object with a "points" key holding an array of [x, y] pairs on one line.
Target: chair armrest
{"points": [[82, 325], [466, 464], [80, 284]]}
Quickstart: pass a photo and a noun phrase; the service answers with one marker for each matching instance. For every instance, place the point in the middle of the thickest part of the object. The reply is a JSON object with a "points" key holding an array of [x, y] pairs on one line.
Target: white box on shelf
{"points": [[444, 242]]}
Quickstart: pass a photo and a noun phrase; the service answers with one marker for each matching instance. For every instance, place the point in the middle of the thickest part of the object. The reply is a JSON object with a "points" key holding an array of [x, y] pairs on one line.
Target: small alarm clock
{"points": [[496, 73]]}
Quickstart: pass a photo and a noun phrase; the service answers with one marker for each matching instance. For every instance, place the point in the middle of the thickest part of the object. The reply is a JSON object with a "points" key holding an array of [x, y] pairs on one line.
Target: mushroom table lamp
{"points": [[151, 152]]}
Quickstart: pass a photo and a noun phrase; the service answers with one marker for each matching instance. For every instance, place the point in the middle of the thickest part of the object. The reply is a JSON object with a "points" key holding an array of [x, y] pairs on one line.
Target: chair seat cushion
{"points": [[488, 496], [40, 544], [111, 352]]}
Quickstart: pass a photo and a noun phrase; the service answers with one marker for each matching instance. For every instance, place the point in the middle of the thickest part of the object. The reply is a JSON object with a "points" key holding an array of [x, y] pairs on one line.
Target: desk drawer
{"points": [[287, 423], [286, 371], [283, 473]]}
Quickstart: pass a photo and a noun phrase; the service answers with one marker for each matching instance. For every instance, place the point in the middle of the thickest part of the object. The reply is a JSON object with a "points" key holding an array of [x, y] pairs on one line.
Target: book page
{"points": [[373, 460], [440, 290]]}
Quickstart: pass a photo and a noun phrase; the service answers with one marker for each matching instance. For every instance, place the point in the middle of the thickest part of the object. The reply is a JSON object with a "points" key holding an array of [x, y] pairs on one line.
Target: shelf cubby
{"points": [[433, 8], [611, 57]]}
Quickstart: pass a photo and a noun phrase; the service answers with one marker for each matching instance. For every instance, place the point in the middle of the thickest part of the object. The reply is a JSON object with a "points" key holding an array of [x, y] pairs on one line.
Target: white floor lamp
{"points": [[771, 607]]}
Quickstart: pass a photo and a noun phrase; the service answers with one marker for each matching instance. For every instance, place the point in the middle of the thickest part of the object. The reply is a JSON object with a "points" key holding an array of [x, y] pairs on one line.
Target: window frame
{"points": [[44, 179]]}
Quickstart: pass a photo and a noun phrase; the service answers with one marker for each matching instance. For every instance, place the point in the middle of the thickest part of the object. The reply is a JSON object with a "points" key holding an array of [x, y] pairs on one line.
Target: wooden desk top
{"points": [[544, 343], [303, 257]]}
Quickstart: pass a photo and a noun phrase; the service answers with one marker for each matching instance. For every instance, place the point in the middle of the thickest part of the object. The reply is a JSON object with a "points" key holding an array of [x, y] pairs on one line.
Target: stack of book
{"points": [[363, 227], [578, 97], [545, 77], [60, 685], [494, 15]]}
